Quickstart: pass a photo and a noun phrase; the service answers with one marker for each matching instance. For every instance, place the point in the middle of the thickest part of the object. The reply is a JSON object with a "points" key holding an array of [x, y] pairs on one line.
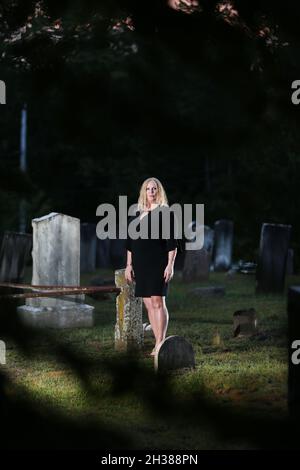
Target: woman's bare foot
{"points": [[155, 349]]}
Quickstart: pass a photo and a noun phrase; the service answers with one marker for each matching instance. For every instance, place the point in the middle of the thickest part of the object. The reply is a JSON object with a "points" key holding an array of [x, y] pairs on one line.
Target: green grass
{"points": [[246, 373]]}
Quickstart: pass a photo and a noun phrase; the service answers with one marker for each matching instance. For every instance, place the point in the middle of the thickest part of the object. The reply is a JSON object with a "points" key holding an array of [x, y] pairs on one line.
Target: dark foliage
{"points": [[120, 90]]}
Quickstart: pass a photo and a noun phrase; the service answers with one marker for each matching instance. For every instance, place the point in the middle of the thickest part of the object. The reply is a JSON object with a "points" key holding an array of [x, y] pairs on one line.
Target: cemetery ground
{"points": [[244, 374]]}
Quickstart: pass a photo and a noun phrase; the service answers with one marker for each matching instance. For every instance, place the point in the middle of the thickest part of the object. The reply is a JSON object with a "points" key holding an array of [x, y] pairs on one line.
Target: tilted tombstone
{"points": [[14, 254], [223, 242], [56, 262], [175, 352], [272, 258], [245, 323], [129, 331], [88, 242]]}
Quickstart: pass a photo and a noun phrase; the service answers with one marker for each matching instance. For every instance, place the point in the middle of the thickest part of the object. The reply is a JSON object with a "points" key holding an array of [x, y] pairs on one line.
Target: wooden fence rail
{"points": [[52, 291]]}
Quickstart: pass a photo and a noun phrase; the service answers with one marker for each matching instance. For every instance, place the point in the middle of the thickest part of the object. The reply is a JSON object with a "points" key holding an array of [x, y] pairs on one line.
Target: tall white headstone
{"points": [[56, 262]]}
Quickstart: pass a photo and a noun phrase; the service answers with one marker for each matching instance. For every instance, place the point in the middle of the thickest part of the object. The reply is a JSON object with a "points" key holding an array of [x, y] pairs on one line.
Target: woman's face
{"points": [[151, 192]]}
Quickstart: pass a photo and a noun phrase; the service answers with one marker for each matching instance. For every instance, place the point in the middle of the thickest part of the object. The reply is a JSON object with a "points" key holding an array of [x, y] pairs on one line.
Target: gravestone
{"points": [[14, 253], [196, 265], [290, 262], [56, 262], [272, 258], [244, 323], [223, 241], [129, 332], [88, 242], [103, 253], [175, 352], [197, 262], [293, 348]]}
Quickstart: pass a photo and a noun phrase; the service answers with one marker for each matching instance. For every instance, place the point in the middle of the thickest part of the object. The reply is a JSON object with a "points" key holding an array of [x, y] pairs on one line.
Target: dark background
{"points": [[120, 91]]}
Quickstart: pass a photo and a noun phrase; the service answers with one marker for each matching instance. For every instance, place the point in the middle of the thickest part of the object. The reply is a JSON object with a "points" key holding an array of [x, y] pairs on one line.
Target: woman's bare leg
{"points": [[160, 317], [151, 316]]}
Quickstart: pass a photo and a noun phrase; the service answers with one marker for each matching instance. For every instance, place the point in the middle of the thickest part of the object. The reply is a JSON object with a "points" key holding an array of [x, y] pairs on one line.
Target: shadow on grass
{"points": [[31, 426], [201, 320]]}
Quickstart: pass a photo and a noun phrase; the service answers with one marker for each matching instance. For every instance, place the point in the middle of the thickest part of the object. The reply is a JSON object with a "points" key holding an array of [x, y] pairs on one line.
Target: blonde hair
{"points": [[161, 197]]}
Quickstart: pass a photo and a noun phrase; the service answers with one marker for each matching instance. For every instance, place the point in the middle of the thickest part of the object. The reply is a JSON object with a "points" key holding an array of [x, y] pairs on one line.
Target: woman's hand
{"points": [[129, 274], [169, 272]]}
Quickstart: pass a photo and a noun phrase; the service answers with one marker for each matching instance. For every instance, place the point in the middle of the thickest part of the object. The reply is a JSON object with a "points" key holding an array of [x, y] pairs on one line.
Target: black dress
{"points": [[150, 256]]}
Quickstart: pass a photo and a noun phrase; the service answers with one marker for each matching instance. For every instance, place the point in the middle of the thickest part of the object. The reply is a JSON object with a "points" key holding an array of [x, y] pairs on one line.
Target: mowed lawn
{"points": [[248, 374]]}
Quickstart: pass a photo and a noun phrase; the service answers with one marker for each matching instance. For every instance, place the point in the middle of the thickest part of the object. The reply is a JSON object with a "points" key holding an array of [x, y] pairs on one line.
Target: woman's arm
{"points": [[171, 247], [129, 258], [172, 256], [129, 274], [169, 271]]}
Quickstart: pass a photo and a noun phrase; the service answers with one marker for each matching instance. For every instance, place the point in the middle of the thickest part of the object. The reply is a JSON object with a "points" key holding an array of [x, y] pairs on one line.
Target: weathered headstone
{"points": [[197, 262], [56, 262], [175, 352], [196, 266], [14, 253], [103, 253], [245, 323], [294, 351], [290, 262], [272, 258], [88, 243], [129, 333], [223, 242]]}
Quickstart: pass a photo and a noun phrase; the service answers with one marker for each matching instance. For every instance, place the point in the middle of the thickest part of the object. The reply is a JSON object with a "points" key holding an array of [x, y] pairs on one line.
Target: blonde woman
{"points": [[150, 262]]}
